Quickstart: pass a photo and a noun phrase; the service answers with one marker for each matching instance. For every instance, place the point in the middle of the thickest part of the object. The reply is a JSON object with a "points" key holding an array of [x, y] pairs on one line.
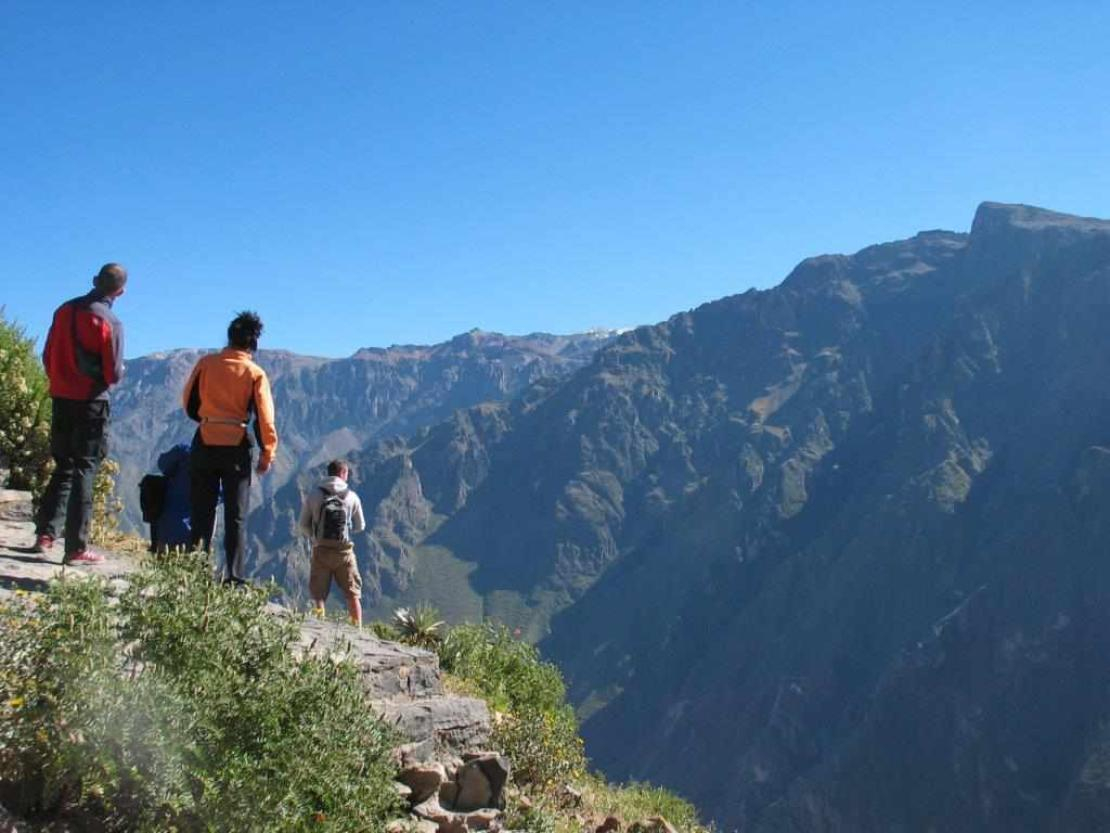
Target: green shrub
{"points": [[528, 818], [533, 726], [637, 802], [509, 672], [183, 708], [543, 746], [106, 506], [24, 410]]}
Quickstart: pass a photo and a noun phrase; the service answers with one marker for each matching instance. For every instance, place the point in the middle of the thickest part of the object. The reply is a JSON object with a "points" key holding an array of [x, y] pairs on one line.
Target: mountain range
{"points": [[329, 406], [825, 557]]}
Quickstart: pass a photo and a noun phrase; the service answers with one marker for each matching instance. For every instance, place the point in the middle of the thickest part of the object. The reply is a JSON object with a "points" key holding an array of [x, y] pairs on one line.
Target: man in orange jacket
{"points": [[83, 359], [222, 393]]}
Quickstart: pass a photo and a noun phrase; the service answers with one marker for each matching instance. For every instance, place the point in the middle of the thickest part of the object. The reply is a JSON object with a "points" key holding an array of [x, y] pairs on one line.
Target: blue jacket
{"points": [[173, 528]]}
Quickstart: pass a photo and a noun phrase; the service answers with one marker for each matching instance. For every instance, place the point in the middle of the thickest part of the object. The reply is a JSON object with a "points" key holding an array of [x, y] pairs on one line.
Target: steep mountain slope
{"points": [[827, 557], [326, 407]]}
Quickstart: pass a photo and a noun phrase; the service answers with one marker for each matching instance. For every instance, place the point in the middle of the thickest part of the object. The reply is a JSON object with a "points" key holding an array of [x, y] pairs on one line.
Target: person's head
{"points": [[244, 330], [339, 468], [110, 280]]}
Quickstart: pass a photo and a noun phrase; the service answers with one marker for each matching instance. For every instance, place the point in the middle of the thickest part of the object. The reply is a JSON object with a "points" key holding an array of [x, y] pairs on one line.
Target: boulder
{"points": [[448, 793], [423, 780], [482, 781], [442, 725], [445, 820], [16, 507]]}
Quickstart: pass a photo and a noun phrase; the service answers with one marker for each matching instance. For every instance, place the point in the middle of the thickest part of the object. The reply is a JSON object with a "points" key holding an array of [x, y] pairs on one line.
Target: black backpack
{"points": [[333, 518], [152, 496]]}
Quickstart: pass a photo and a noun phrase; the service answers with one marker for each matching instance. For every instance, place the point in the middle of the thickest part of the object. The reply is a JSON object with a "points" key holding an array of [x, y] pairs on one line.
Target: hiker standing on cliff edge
{"points": [[329, 515], [83, 359], [222, 393]]}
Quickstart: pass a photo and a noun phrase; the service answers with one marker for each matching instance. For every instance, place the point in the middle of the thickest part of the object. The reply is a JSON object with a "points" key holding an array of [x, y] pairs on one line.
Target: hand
{"points": [[263, 465]]}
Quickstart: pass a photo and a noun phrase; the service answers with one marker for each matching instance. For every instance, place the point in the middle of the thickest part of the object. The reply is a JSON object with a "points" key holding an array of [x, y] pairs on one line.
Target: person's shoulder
{"points": [[72, 303], [255, 368]]}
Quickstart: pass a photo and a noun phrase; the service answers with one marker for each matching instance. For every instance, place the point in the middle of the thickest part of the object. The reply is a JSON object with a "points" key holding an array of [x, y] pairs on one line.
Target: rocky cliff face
{"points": [[827, 557]]}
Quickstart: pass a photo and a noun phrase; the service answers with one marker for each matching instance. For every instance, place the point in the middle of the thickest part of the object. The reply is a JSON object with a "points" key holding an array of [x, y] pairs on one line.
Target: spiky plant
{"points": [[418, 626]]}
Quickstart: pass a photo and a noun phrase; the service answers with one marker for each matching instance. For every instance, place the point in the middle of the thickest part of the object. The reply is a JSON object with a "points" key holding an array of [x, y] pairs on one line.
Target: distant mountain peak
{"points": [[993, 215]]}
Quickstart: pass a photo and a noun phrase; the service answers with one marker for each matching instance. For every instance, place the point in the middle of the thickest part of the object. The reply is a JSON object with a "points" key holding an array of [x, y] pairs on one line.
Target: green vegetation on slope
{"points": [[536, 729], [24, 410], [180, 707]]}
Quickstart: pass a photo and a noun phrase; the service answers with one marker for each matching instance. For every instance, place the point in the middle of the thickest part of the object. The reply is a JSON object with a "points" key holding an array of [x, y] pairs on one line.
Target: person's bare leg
{"points": [[318, 607], [354, 607]]}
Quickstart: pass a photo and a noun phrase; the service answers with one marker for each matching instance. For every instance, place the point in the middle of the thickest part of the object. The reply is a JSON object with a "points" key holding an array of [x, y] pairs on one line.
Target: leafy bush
{"points": [[535, 726], [641, 801], [24, 410], [544, 746], [509, 672], [106, 506], [528, 818], [183, 708]]}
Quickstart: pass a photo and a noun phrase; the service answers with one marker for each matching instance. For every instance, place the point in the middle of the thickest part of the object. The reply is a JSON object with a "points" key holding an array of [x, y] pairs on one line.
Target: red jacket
{"points": [[84, 350]]}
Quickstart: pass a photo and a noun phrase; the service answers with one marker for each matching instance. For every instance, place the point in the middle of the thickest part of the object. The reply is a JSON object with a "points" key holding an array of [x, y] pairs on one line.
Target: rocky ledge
{"points": [[453, 782]]}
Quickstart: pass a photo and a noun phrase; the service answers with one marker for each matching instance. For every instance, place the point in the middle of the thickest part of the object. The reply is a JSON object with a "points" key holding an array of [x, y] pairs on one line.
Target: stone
{"points": [[570, 795], [482, 781], [484, 819], [448, 793], [452, 724], [15, 506], [413, 754], [475, 790], [388, 669], [423, 781], [445, 820], [403, 790], [653, 824]]}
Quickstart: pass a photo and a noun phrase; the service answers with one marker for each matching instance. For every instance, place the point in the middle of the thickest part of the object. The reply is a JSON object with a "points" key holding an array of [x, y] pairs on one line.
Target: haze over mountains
{"points": [[826, 557]]}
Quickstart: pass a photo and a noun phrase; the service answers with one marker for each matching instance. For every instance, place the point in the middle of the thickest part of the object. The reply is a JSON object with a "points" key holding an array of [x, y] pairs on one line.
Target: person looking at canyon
{"points": [[83, 359], [329, 515], [222, 393]]}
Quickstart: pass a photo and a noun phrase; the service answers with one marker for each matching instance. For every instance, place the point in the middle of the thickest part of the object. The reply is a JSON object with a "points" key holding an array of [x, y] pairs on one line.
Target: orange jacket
{"points": [[220, 393]]}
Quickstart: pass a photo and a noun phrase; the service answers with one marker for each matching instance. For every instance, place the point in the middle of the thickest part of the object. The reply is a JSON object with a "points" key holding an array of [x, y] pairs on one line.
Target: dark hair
{"points": [[111, 278], [336, 466], [244, 330]]}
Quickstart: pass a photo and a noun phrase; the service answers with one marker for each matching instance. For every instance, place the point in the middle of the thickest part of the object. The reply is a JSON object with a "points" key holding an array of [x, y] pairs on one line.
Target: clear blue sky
{"points": [[369, 173]]}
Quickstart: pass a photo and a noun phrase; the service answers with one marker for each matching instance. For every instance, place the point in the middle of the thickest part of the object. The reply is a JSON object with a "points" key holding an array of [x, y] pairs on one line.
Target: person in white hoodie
{"points": [[331, 513]]}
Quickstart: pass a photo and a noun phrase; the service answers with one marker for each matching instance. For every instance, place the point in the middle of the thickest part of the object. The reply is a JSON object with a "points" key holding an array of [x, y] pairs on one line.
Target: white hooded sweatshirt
{"points": [[314, 501]]}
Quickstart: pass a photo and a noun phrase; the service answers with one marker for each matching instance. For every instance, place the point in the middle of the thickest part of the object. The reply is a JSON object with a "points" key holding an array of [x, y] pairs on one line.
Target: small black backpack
{"points": [[333, 518]]}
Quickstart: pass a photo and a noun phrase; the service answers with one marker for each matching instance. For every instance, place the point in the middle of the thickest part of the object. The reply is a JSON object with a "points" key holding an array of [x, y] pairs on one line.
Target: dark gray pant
{"points": [[78, 443], [212, 468]]}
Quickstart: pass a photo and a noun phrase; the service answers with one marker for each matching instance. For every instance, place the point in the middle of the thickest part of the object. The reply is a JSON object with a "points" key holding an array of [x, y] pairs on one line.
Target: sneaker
{"points": [[43, 543], [84, 557]]}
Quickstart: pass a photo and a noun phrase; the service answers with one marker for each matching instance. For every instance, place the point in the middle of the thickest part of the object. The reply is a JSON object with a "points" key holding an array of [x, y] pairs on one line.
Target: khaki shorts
{"points": [[333, 560]]}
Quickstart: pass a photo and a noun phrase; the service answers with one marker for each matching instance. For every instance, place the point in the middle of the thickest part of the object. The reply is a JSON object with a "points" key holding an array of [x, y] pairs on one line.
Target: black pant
{"points": [[78, 443], [212, 468]]}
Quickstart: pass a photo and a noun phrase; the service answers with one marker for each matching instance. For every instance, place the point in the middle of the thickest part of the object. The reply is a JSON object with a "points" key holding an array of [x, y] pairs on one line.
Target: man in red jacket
{"points": [[83, 358]]}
